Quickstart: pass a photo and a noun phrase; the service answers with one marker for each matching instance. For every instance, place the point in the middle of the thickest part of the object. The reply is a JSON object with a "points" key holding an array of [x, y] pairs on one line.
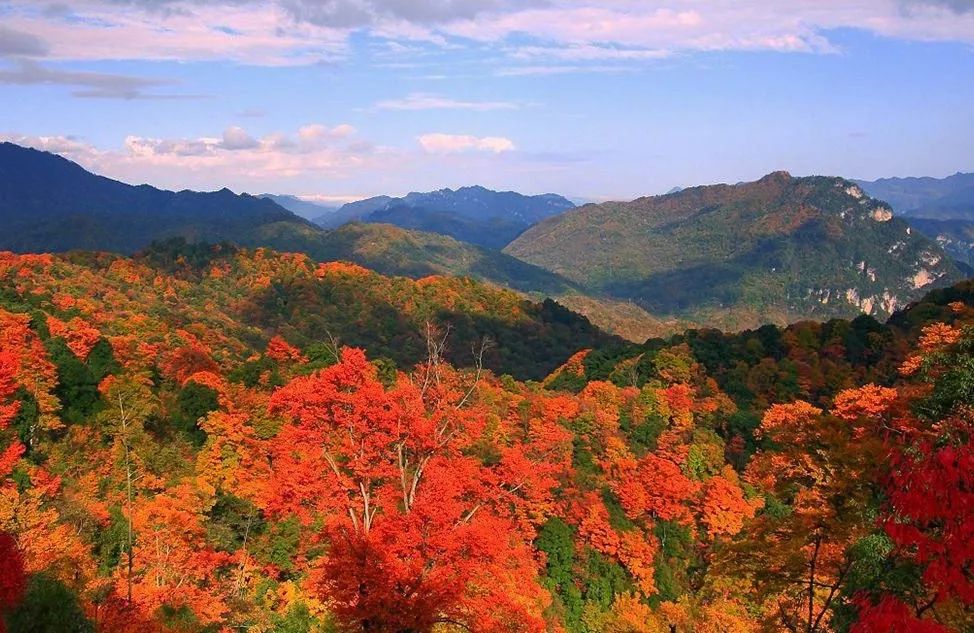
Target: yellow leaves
{"points": [[630, 615]]}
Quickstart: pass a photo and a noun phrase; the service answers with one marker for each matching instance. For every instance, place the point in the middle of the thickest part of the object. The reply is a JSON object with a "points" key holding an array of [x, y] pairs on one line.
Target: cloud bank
{"points": [[301, 32]]}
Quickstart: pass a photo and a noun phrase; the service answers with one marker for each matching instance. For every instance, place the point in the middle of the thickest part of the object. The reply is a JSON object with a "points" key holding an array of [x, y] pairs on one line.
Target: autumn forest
{"points": [[203, 438]]}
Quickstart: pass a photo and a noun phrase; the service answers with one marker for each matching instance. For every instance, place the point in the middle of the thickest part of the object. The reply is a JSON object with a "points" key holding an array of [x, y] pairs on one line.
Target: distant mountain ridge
{"points": [[740, 255], [48, 203], [940, 208], [302, 208], [778, 249], [950, 198], [472, 214]]}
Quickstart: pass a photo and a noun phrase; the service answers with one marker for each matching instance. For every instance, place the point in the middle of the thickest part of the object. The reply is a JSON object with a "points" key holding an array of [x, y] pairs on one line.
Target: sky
{"points": [[336, 100]]}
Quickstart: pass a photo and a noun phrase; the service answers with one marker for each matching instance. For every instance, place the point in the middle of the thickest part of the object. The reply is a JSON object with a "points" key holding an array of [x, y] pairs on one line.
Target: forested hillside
{"points": [[779, 249], [211, 439]]}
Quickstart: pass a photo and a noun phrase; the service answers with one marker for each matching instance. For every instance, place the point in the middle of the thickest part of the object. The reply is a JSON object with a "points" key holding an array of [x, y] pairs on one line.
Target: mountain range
{"points": [[50, 204], [778, 249], [472, 214], [950, 198]]}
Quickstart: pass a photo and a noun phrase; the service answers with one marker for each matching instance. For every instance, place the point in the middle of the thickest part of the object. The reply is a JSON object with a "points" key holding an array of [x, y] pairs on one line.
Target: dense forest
{"points": [[204, 438]]}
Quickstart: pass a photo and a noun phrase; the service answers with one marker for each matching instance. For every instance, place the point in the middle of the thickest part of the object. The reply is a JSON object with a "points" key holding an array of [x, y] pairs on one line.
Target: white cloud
{"points": [[296, 32], [317, 133], [233, 158], [237, 138], [423, 101], [257, 33], [456, 143]]}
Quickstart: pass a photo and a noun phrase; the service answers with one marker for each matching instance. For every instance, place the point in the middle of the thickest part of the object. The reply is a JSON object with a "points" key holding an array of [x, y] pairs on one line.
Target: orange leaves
{"points": [[724, 508], [574, 366], [869, 401], [659, 488], [173, 564], [934, 338], [46, 542], [33, 371], [77, 333], [341, 269], [937, 336], [788, 422], [595, 529], [9, 364], [637, 552], [283, 352]]}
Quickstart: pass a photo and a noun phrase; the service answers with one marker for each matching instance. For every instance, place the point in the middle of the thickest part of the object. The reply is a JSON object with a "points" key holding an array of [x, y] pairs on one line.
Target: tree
{"points": [[419, 533], [724, 509], [817, 475]]}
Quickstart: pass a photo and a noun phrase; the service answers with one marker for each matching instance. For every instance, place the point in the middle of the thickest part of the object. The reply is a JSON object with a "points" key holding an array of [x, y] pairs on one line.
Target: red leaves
{"points": [[892, 616], [419, 532], [191, 358], [932, 503], [13, 580], [283, 352]]}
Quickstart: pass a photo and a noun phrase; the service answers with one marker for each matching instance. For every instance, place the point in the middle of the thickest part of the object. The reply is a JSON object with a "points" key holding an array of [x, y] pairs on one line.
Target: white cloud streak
{"points": [[437, 143], [423, 101]]}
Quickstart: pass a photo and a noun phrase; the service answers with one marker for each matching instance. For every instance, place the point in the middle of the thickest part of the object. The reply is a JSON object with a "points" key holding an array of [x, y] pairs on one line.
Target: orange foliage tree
{"points": [[420, 531]]}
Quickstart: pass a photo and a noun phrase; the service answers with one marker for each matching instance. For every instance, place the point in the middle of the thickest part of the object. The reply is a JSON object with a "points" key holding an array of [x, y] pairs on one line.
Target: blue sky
{"points": [[341, 99]]}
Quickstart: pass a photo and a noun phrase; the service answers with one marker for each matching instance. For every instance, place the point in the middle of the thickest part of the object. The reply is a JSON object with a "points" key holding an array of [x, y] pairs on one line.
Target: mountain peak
{"points": [[781, 248], [776, 176]]}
